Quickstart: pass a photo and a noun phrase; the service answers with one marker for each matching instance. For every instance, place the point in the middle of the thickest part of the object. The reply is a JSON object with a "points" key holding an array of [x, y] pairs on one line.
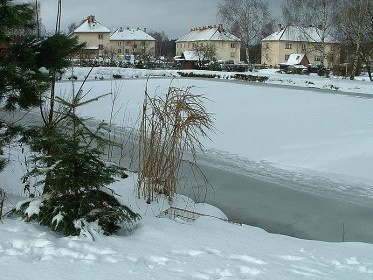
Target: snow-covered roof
{"points": [[187, 56], [299, 34], [209, 33], [294, 59], [190, 56], [94, 48], [130, 35], [91, 25]]}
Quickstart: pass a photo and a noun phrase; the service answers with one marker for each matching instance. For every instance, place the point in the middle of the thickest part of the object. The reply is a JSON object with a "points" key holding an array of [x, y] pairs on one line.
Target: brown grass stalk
{"points": [[170, 126]]}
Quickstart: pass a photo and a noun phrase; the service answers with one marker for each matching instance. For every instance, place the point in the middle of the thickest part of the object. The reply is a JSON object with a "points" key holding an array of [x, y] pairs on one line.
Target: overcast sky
{"points": [[174, 17]]}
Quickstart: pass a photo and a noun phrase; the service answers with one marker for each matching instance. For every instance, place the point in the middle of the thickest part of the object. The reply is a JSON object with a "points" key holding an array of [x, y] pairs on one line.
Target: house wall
{"points": [[275, 52], [93, 39], [132, 47], [225, 50]]}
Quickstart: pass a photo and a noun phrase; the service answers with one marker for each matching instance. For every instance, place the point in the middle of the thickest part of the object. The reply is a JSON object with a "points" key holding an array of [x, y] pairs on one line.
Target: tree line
{"points": [[350, 22]]}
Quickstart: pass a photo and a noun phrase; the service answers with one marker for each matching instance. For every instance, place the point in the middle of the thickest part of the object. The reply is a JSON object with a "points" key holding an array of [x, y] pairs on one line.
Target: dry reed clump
{"points": [[170, 127]]}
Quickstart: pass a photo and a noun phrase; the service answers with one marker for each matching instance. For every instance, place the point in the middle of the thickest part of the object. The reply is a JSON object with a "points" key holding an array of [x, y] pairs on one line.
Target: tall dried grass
{"points": [[171, 126]]}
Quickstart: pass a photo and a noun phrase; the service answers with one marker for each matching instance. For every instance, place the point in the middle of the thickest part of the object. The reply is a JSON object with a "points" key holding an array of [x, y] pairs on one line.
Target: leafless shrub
{"points": [[170, 127]]}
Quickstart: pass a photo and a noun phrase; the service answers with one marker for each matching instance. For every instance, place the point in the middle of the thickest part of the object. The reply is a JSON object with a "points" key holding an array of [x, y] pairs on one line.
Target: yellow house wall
{"points": [[224, 49], [127, 47], [274, 52], [92, 39]]}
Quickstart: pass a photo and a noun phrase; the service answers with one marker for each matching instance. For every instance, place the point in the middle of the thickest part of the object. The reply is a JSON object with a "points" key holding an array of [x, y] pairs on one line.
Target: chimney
{"points": [[144, 29], [91, 19], [279, 27], [120, 29], [220, 27]]}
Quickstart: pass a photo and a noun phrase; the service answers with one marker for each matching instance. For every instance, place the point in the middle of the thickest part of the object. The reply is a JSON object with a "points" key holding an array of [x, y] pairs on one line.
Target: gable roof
{"points": [[130, 35], [299, 34], [296, 59], [91, 25], [209, 33]]}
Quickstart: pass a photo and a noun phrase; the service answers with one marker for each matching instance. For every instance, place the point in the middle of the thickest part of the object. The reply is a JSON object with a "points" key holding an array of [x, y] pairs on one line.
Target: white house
{"points": [[227, 46]]}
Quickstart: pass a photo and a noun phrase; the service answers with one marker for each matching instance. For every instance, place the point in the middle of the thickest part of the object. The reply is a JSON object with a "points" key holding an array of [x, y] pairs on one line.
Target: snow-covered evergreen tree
{"points": [[69, 165]]}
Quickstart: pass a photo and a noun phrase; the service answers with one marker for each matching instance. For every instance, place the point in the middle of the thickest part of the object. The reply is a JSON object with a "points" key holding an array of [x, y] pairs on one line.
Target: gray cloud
{"points": [[174, 17]]}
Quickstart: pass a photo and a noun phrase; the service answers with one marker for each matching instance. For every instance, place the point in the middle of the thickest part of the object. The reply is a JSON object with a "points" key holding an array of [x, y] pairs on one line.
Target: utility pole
{"points": [[37, 18], [58, 21]]}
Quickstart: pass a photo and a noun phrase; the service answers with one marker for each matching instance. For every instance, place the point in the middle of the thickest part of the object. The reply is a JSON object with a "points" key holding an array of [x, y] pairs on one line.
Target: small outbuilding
{"points": [[295, 60], [187, 60]]}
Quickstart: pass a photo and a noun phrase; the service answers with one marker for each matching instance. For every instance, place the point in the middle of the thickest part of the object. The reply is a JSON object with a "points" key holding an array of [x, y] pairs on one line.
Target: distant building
{"points": [[95, 35], [100, 42], [132, 42], [277, 47], [227, 46]]}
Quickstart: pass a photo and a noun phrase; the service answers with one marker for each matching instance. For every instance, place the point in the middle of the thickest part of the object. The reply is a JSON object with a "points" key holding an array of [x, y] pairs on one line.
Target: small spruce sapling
{"points": [[75, 175]]}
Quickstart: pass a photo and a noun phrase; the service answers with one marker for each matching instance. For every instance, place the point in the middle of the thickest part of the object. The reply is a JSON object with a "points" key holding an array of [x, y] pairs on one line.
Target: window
{"points": [[127, 51], [288, 46], [233, 54], [100, 47], [318, 58], [303, 47], [135, 46], [119, 43], [100, 36], [287, 57], [119, 50], [233, 45], [332, 48]]}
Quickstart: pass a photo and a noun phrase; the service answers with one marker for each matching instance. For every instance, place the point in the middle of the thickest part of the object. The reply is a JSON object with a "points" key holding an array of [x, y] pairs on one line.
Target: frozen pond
{"points": [[291, 161]]}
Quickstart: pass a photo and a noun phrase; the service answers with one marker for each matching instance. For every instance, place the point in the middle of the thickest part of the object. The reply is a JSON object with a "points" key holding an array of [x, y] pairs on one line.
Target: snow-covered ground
{"points": [[281, 132]]}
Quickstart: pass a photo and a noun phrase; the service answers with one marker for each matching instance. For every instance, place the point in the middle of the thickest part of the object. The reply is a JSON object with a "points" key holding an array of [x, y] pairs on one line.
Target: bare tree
{"points": [[72, 26], [355, 25], [245, 19], [163, 45], [316, 13], [204, 52]]}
